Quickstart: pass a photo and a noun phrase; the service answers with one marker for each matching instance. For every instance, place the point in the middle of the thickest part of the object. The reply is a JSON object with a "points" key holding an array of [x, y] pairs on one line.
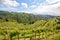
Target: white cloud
{"points": [[52, 1], [27, 11], [24, 5], [48, 7], [9, 3], [53, 9], [33, 6], [9, 9], [24, 11]]}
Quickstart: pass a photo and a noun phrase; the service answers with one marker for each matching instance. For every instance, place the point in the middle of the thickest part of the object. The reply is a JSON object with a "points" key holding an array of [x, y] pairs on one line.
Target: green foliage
{"points": [[21, 17], [13, 33], [23, 25], [3, 32], [57, 37]]}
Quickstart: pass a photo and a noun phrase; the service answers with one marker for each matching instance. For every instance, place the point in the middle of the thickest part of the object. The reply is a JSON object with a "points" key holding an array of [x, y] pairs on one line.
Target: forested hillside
{"points": [[21, 17], [23, 26]]}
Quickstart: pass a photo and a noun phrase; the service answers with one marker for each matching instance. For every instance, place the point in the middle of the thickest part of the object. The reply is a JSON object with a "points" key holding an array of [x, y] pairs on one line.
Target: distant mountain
{"points": [[22, 17]]}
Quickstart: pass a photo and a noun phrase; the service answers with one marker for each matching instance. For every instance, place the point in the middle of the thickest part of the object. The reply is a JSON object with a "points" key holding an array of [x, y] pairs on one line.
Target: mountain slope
{"points": [[22, 17]]}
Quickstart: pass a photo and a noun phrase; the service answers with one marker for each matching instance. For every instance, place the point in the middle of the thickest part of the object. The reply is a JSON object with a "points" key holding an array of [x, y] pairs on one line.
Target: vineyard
{"points": [[40, 30]]}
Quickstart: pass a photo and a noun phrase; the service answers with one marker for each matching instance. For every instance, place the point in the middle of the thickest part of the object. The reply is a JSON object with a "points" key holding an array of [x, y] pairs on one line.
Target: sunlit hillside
{"points": [[23, 26]]}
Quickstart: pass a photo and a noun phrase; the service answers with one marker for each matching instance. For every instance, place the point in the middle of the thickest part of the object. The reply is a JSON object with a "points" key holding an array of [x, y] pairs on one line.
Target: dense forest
{"points": [[24, 26]]}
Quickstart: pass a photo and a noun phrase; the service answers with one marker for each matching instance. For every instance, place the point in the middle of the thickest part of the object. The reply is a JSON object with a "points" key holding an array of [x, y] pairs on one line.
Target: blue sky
{"points": [[50, 7]]}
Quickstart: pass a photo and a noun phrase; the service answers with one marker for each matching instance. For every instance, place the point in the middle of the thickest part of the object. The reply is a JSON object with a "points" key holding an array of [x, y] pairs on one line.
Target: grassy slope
{"points": [[50, 29]]}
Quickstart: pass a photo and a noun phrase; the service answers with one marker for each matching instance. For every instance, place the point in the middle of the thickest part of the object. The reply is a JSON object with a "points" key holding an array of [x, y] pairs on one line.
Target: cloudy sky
{"points": [[50, 7]]}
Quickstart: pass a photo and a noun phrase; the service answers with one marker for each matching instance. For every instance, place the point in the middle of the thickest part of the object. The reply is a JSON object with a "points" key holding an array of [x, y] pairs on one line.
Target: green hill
{"points": [[23, 26], [21, 17]]}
